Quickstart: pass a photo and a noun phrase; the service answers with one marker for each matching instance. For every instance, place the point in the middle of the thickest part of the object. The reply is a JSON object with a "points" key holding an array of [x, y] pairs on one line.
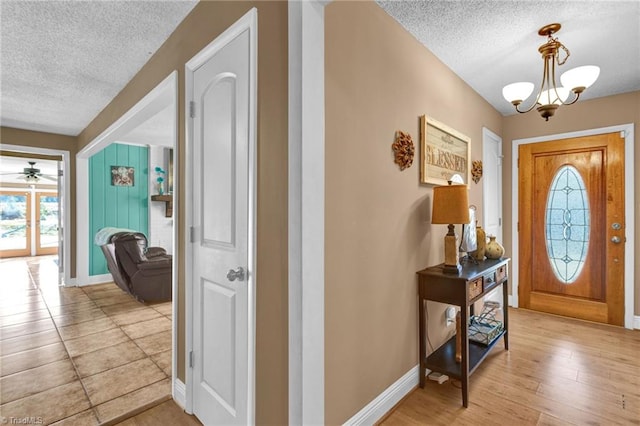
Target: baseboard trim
{"points": [[97, 279], [179, 393], [384, 402], [636, 322]]}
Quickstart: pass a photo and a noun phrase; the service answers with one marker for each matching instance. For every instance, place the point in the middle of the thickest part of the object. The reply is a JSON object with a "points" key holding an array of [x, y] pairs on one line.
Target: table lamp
{"points": [[450, 206]]}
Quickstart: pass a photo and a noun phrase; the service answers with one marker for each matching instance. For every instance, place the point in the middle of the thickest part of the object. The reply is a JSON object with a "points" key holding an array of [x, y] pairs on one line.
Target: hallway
{"points": [[78, 355]]}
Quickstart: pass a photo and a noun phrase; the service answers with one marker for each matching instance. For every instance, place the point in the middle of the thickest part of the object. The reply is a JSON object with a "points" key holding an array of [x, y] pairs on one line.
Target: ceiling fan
{"points": [[31, 174]]}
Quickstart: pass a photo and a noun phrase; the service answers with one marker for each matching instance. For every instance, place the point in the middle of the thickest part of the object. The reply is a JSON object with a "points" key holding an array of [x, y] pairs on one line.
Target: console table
{"points": [[462, 290]]}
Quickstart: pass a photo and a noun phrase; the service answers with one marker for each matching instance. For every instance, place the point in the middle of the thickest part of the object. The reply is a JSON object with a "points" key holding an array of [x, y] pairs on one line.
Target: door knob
{"points": [[238, 274], [615, 239]]}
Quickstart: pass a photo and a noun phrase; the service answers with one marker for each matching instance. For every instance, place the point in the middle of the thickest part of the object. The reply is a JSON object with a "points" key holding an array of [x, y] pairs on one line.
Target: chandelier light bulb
{"points": [[517, 92], [578, 79]]}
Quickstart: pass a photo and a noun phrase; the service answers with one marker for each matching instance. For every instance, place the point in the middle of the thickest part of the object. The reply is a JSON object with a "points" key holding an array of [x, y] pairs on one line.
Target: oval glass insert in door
{"points": [[567, 224]]}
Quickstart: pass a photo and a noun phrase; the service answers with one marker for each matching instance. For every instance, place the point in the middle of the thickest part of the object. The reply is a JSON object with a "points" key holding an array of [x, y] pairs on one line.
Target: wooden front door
{"points": [[571, 227]]}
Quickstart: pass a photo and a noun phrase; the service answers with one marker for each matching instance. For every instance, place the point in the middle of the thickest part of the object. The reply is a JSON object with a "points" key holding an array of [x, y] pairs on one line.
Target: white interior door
{"points": [[223, 272], [492, 183]]}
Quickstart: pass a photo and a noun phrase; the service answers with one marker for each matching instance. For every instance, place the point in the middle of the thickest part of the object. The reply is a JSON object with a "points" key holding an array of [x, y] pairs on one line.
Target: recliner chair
{"points": [[144, 272]]}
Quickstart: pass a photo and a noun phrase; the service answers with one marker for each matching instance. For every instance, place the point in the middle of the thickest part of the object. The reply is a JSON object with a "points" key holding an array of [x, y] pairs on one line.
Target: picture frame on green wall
{"points": [[122, 176]]}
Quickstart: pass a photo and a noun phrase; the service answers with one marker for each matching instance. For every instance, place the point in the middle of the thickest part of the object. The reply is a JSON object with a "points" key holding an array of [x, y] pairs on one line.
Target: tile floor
{"points": [[77, 355]]}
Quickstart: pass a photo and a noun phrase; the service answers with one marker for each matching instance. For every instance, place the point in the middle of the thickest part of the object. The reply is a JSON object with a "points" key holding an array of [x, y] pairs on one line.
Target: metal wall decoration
{"points": [[404, 149], [122, 176], [476, 171]]}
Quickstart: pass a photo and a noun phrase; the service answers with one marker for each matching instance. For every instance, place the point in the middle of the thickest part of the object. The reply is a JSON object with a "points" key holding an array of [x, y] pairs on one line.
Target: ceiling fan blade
{"points": [[49, 177], [11, 173]]}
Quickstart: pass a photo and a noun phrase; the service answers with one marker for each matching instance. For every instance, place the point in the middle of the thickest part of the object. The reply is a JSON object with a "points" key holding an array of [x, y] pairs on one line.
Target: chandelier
{"points": [[550, 96]]}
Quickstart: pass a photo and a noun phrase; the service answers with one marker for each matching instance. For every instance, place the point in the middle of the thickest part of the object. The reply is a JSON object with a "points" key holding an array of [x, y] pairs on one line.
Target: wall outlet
{"points": [[450, 315]]}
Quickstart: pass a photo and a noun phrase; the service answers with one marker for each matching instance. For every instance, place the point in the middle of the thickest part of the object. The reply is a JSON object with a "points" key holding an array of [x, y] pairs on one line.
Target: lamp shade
{"points": [[549, 97], [580, 77], [517, 91], [450, 204]]}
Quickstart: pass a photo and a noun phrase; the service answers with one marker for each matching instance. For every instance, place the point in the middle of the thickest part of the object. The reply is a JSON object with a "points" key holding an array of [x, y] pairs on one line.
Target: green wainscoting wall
{"points": [[118, 206]]}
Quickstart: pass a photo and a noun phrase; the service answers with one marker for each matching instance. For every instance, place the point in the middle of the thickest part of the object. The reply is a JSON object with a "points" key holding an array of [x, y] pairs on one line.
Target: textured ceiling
{"points": [[62, 62], [490, 44]]}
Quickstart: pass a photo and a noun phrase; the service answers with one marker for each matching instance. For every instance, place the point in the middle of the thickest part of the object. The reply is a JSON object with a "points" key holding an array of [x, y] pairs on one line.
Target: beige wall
{"points": [[379, 79], [591, 114], [207, 20], [11, 136]]}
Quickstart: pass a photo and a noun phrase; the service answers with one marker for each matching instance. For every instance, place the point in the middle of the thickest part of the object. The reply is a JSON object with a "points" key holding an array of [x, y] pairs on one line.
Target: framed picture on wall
{"points": [[444, 153], [122, 176]]}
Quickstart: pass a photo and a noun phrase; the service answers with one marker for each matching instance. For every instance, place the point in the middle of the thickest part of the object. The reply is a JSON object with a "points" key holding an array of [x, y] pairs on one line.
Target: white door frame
{"points": [[306, 212], [247, 22], [66, 242], [163, 95], [486, 135], [627, 131]]}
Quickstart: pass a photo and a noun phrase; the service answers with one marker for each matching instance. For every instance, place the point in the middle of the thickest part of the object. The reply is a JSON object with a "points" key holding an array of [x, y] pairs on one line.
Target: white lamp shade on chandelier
{"points": [[580, 77], [517, 91], [554, 96], [551, 95]]}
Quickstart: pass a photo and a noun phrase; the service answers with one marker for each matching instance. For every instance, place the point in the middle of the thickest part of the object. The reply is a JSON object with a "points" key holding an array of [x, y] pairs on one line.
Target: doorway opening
{"points": [[152, 119], [35, 204]]}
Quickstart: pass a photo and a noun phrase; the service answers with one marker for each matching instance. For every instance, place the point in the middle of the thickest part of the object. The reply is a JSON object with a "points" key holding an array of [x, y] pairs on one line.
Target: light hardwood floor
{"points": [[558, 371]]}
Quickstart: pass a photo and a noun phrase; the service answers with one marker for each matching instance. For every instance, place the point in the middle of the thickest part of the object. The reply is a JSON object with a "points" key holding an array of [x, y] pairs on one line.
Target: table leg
{"points": [[464, 367], [505, 312], [422, 339]]}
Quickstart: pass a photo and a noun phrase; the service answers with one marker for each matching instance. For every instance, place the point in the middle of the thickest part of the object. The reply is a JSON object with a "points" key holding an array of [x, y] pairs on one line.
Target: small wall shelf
{"points": [[168, 200]]}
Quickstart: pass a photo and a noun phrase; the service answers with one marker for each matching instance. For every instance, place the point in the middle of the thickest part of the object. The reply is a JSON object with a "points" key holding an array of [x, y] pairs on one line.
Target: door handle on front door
{"points": [[238, 274], [615, 239]]}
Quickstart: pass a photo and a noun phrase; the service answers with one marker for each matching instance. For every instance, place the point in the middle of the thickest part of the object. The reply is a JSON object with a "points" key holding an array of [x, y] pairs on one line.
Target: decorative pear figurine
{"points": [[481, 239], [493, 250]]}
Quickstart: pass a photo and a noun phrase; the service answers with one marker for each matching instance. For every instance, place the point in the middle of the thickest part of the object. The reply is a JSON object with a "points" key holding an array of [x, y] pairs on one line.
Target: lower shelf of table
{"points": [[443, 360]]}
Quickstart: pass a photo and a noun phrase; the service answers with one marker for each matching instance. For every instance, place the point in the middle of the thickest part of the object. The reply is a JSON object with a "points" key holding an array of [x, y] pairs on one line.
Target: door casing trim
{"points": [[628, 134], [306, 169], [248, 21], [486, 135]]}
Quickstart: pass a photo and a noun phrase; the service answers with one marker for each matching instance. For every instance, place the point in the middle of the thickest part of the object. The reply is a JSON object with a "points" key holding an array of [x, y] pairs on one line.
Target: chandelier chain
{"points": [[566, 51]]}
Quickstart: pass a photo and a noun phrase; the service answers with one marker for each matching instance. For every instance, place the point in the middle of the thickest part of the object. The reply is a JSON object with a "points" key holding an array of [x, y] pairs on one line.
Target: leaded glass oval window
{"points": [[567, 224]]}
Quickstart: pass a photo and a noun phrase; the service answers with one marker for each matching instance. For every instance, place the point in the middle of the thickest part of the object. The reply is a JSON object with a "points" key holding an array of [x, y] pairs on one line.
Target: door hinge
{"points": [[60, 173], [192, 109], [191, 359], [499, 221], [518, 162], [192, 234], [518, 226]]}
